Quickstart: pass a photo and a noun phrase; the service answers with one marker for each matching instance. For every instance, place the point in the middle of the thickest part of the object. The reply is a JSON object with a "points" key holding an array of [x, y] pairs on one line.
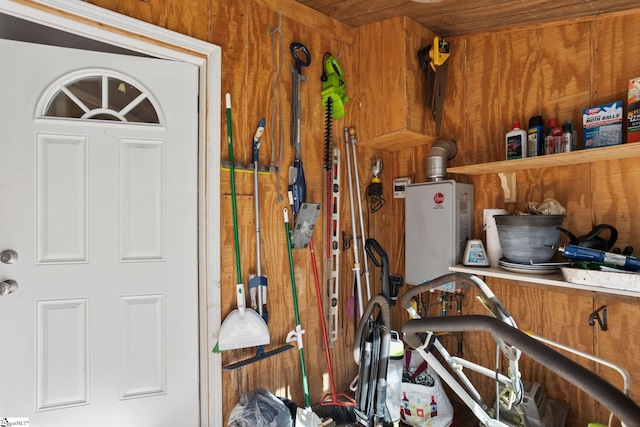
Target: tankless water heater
{"points": [[438, 224]]}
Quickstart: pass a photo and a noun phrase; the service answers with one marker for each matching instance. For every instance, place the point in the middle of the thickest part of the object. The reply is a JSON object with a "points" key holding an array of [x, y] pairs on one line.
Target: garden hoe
{"points": [[243, 327]]}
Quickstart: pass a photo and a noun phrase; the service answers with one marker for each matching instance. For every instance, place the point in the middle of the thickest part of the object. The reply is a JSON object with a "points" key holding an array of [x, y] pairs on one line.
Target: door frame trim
{"points": [[86, 20]]}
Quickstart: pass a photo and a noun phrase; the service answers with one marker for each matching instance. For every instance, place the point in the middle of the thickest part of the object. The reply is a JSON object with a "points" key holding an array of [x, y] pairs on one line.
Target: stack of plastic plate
{"points": [[540, 268]]}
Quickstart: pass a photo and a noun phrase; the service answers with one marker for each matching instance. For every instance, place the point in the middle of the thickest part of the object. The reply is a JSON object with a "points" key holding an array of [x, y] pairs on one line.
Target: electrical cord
{"points": [[374, 197], [323, 77]]}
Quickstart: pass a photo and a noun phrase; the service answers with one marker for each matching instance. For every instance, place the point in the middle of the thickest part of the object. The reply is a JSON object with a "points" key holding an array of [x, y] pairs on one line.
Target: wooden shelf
{"points": [[552, 160], [555, 279]]}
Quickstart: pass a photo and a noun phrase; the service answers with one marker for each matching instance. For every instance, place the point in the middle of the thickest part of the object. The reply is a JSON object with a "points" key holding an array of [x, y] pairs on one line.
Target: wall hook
{"points": [[595, 317], [279, 26]]}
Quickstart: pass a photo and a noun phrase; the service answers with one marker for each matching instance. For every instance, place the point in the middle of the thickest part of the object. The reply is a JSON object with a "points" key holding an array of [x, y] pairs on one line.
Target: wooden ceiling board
{"points": [[450, 18]]}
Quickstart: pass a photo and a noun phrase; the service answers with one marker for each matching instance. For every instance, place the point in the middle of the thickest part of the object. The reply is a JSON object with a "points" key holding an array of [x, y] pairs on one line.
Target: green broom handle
{"points": [[291, 270], [305, 382], [233, 189]]}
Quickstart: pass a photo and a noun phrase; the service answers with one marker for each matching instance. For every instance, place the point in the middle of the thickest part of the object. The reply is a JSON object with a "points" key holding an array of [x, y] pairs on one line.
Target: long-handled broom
{"points": [[243, 327], [304, 417], [339, 406], [258, 283]]}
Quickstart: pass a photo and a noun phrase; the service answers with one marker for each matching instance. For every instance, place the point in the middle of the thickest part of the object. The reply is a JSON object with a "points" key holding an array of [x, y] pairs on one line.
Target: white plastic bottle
{"points": [[516, 140]]}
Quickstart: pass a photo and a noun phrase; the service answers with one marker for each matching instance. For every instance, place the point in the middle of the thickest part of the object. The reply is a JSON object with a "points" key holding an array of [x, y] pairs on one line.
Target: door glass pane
{"points": [[102, 97], [62, 106], [88, 91], [121, 94]]}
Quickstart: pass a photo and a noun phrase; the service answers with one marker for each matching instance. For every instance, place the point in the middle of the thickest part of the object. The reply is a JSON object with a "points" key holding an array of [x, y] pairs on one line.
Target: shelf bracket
{"points": [[508, 183]]}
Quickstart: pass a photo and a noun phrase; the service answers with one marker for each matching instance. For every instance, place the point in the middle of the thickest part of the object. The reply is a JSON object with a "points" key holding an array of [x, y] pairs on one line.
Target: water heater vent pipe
{"points": [[440, 152]]}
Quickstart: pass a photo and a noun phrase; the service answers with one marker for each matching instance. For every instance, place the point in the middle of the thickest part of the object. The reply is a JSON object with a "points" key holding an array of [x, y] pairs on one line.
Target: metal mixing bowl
{"points": [[528, 238]]}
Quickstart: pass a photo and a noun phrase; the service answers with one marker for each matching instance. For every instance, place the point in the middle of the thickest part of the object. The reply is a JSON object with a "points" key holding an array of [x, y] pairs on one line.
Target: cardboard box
{"points": [[602, 125], [633, 111]]}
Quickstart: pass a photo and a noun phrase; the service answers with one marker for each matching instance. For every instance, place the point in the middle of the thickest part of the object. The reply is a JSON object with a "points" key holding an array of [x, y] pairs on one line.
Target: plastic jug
{"points": [[394, 377]]}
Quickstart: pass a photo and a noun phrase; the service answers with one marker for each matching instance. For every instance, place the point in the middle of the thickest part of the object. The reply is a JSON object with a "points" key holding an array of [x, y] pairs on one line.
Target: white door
{"points": [[98, 199]]}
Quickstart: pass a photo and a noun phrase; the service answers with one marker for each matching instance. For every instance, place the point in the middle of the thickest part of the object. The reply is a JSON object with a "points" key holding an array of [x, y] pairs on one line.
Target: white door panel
{"points": [[103, 328]]}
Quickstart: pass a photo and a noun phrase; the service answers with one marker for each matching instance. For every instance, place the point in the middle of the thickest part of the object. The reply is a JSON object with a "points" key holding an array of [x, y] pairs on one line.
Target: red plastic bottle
{"points": [[553, 139]]}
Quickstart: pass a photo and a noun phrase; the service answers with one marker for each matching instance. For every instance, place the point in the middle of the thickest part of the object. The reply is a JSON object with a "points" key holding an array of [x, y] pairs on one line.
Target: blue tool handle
{"points": [[256, 139], [588, 254], [298, 189]]}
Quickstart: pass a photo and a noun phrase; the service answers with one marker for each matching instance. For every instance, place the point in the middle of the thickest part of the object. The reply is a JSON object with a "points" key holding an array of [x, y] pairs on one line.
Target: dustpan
{"points": [[243, 327]]}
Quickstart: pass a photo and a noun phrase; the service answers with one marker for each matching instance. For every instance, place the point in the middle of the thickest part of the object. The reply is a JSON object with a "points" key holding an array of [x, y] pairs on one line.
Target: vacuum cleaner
{"points": [[376, 377]]}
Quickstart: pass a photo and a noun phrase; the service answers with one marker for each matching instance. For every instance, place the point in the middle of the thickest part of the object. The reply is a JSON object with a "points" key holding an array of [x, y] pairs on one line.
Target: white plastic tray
{"points": [[606, 279]]}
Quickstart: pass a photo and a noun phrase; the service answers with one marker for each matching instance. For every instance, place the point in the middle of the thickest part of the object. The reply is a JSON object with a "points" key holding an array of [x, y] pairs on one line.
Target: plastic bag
{"points": [[547, 207], [260, 408], [424, 401]]}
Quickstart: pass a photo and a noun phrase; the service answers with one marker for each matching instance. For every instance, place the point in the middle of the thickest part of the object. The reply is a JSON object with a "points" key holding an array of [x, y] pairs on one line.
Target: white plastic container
{"points": [[475, 254], [516, 142], [394, 377]]}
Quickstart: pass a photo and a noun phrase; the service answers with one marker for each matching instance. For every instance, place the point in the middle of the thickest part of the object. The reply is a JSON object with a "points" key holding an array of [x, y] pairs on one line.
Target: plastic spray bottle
{"points": [[553, 137], [535, 137], [570, 137], [516, 140]]}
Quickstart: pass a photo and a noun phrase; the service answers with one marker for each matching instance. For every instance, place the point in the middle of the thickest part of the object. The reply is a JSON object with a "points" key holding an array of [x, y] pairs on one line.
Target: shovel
{"points": [[243, 327]]}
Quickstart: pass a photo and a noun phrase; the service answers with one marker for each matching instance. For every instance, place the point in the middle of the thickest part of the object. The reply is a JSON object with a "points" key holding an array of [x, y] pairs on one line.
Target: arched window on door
{"points": [[99, 95]]}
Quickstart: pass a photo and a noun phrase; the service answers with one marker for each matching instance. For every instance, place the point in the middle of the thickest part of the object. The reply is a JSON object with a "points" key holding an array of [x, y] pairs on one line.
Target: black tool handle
{"points": [[373, 245]]}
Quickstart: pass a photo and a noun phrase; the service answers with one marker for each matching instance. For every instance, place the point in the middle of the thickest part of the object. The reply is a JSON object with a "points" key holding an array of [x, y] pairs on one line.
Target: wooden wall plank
{"points": [[483, 140], [617, 344], [392, 74], [520, 80], [153, 11], [574, 194], [616, 199], [566, 81], [369, 83], [616, 43], [190, 17], [454, 110], [563, 321]]}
